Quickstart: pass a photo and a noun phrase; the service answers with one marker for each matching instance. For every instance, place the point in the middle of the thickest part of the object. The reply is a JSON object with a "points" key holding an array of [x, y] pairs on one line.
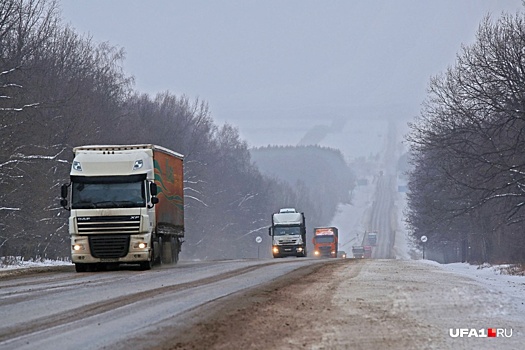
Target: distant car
{"points": [[341, 254]]}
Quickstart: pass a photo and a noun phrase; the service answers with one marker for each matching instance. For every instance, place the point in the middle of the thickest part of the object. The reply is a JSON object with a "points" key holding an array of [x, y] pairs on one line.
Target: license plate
{"points": [[108, 260]]}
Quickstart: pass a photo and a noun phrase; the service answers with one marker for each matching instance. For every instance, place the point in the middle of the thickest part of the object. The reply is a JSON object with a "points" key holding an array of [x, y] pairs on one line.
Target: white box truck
{"points": [[288, 233], [126, 206]]}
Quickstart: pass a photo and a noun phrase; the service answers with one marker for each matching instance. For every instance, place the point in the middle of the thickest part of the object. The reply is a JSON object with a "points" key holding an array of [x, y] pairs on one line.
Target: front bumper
{"points": [[130, 258], [110, 249], [286, 250]]}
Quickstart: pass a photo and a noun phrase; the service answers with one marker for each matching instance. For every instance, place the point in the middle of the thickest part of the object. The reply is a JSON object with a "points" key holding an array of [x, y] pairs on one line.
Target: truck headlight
{"points": [[275, 250], [316, 252], [140, 245], [78, 247], [300, 249]]}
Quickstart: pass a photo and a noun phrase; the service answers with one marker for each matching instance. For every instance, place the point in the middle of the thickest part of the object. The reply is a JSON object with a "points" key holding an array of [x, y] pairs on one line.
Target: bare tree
{"points": [[470, 135]]}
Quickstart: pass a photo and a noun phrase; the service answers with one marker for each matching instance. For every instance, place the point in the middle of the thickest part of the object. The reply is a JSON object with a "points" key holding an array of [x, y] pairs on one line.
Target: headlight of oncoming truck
{"points": [[79, 245], [140, 245]]}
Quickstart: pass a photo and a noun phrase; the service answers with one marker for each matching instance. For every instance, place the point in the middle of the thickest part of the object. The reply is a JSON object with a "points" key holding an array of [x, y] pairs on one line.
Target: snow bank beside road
{"points": [[18, 263]]}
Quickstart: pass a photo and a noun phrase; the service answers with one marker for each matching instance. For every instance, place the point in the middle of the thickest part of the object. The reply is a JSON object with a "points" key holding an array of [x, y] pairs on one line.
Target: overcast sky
{"points": [[270, 65]]}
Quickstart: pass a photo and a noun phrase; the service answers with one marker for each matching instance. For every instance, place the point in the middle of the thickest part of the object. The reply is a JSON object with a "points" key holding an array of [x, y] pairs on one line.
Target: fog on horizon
{"points": [[275, 69]]}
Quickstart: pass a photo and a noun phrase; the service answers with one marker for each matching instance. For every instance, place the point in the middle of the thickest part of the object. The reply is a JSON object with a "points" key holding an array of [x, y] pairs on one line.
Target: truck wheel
{"points": [[80, 267], [146, 265]]}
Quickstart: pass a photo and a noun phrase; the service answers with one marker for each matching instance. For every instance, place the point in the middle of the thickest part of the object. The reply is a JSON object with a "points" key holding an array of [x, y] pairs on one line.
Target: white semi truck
{"points": [[288, 233], [126, 206]]}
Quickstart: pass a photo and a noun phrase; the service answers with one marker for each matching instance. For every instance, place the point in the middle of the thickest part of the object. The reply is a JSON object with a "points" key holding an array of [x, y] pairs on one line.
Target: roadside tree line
{"points": [[467, 184], [60, 89]]}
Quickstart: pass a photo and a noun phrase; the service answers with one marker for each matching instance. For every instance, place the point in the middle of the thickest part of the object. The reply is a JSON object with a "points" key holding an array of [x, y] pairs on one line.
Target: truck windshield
{"points": [[324, 239], [104, 193], [281, 231]]}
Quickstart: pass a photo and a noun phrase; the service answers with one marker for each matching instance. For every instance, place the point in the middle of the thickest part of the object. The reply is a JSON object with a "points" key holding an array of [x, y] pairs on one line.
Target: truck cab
{"points": [[325, 242], [372, 238], [358, 252], [368, 251], [288, 232]]}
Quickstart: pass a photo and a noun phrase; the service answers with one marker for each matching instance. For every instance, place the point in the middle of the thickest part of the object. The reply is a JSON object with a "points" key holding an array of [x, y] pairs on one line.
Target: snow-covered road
{"points": [[101, 310]]}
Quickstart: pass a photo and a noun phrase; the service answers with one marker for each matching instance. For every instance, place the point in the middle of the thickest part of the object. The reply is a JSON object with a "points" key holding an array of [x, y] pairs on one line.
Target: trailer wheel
{"points": [[176, 250], [167, 251]]}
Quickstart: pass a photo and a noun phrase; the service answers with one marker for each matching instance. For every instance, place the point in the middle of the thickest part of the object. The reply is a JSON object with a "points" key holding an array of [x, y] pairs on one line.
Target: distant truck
{"points": [[368, 251], [288, 232], [372, 238], [325, 241], [358, 252], [126, 206]]}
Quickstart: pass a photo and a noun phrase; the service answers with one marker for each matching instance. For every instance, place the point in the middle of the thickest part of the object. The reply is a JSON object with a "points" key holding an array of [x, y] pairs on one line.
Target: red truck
{"points": [[368, 251], [325, 241]]}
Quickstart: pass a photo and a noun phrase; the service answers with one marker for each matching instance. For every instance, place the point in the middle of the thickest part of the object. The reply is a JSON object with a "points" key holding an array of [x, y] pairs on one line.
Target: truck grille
{"points": [[325, 250], [108, 224], [287, 241], [109, 246]]}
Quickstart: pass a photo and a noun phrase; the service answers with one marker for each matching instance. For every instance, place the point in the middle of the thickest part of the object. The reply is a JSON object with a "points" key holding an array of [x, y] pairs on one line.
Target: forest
{"points": [[467, 182], [60, 89], [320, 174]]}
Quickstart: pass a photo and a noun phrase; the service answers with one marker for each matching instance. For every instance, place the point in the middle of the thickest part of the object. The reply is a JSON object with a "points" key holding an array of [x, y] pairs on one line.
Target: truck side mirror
{"points": [[63, 194], [269, 231], [153, 189], [63, 190]]}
